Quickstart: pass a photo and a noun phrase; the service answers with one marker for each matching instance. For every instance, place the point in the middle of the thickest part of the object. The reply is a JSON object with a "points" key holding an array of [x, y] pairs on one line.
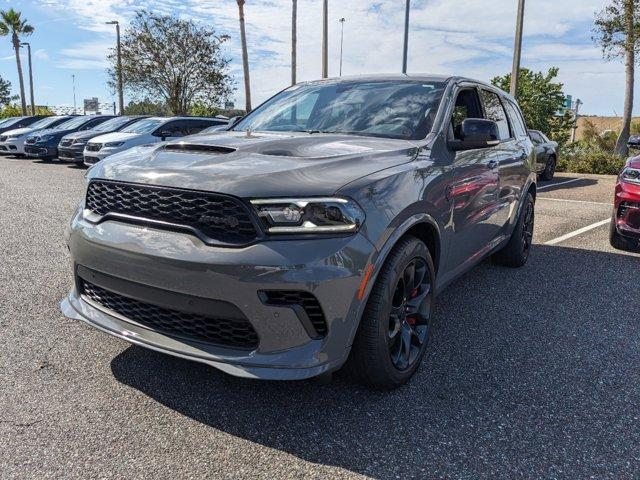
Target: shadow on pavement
{"points": [[531, 373]]}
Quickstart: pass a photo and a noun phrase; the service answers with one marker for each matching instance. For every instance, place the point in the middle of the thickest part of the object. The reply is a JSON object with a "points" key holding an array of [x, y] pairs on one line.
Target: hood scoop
{"points": [[198, 148]]}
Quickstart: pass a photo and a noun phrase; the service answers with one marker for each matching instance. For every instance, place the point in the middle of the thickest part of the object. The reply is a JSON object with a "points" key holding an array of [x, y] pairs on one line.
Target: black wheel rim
{"points": [[551, 167], [527, 229], [410, 314]]}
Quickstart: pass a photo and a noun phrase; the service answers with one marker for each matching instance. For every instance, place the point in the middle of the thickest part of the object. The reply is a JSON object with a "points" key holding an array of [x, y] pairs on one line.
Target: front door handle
{"points": [[493, 164]]}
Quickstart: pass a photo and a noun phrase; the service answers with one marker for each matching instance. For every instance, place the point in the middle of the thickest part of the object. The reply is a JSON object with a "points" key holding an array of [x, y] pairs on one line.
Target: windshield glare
{"points": [[111, 125], [73, 123], [403, 109], [143, 126], [44, 123]]}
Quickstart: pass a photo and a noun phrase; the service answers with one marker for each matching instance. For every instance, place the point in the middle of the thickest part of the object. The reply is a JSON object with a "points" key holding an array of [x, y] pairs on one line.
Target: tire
{"points": [[616, 240], [377, 357], [516, 253], [549, 169]]}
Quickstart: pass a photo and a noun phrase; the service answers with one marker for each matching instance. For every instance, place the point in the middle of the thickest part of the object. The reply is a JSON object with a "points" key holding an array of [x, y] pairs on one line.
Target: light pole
{"points": [[517, 49], [73, 81], [342, 20], [406, 36], [119, 65], [294, 39], [325, 40], [33, 103]]}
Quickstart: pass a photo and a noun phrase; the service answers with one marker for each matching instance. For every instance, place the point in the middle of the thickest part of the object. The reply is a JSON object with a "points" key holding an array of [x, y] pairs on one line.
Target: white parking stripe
{"points": [[560, 183], [577, 232], [574, 201]]}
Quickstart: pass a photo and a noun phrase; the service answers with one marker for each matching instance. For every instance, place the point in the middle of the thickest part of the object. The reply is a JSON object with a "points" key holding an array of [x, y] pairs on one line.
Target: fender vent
{"points": [[195, 147]]}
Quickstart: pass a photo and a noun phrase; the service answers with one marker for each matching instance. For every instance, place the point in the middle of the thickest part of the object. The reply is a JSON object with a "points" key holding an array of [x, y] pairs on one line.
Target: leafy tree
{"points": [[11, 23], [5, 92], [541, 98], [145, 107], [617, 31], [172, 59], [13, 110]]}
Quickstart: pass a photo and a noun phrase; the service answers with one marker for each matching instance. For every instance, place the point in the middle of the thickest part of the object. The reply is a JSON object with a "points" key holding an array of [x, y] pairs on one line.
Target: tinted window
{"points": [[393, 109], [495, 111], [467, 106], [517, 122]]}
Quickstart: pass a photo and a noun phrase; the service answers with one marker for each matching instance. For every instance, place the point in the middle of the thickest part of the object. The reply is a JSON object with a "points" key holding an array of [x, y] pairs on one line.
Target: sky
{"points": [[465, 37]]}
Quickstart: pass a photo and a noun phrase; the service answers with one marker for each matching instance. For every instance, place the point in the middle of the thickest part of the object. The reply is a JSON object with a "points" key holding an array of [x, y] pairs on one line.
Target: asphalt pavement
{"points": [[531, 373]]}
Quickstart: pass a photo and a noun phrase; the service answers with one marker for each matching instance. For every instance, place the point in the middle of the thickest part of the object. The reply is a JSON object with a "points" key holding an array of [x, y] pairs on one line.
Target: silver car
{"points": [[313, 235]]}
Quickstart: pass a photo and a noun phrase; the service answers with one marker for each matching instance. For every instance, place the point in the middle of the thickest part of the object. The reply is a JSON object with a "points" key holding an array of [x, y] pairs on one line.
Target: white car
{"points": [[12, 141], [150, 130]]}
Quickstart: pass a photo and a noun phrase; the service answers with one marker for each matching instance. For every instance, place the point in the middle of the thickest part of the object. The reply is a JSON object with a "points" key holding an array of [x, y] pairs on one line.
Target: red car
{"points": [[625, 224]]}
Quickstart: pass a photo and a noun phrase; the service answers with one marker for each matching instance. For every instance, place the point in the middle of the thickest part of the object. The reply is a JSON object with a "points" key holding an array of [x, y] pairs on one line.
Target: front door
{"points": [[474, 192]]}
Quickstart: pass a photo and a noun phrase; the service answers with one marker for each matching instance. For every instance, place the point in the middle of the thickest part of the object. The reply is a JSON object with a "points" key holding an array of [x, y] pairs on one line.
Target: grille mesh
{"points": [[219, 218], [235, 333], [306, 300]]}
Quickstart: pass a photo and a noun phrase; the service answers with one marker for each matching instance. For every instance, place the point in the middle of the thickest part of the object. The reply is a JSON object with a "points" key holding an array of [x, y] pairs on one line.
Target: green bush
{"points": [[581, 157]]}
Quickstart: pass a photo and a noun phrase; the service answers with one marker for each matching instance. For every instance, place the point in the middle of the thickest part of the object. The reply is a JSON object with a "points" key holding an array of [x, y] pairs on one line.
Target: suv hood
{"points": [[115, 137], [52, 131], [260, 164], [18, 131], [84, 134]]}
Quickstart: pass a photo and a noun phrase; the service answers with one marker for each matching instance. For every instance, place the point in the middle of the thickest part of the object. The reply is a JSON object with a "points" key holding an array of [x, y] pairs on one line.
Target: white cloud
{"points": [[41, 54], [471, 37]]}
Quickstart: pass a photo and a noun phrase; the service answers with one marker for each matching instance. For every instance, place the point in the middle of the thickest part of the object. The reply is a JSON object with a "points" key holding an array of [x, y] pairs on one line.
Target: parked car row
{"points": [[90, 138]]}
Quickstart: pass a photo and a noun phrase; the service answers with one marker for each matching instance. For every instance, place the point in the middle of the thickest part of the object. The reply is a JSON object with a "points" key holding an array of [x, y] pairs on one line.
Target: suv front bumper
{"points": [[331, 269], [71, 154]]}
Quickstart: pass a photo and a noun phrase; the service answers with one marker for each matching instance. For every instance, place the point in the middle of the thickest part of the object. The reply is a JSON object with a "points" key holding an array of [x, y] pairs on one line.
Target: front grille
{"points": [[306, 300], [30, 140], [234, 333], [93, 147], [216, 218], [3, 138], [65, 143], [91, 160]]}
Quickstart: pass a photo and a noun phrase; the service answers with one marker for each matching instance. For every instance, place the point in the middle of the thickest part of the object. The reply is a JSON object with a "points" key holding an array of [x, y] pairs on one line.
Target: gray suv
{"points": [[314, 234]]}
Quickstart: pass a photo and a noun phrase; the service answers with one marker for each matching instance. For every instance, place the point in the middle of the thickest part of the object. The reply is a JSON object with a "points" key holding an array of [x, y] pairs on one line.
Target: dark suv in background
{"points": [[14, 123], [44, 144], [315, 233], [71, 147]]}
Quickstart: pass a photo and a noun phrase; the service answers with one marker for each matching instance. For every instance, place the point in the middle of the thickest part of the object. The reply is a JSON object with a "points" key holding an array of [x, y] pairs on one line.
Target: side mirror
{"points": [[634, 142], [164, 134], [476, 133]]}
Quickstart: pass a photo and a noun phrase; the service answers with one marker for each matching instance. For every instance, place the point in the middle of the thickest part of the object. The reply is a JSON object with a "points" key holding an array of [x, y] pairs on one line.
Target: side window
{"points": [[495, 111], [195, 126], [467, 106], [519, 128], [175, 128]]}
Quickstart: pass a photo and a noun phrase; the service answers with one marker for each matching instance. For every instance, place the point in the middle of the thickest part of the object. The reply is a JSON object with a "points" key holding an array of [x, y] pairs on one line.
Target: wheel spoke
{"points": [[409, 279]]}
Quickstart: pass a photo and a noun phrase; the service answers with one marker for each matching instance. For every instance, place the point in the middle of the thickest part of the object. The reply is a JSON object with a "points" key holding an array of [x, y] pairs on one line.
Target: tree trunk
{"points": [[294, 40], [245, 58], [16, 47], [621, 145]]}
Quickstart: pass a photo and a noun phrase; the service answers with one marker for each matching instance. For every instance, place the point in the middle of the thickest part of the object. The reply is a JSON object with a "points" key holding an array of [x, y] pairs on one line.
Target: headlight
{"points": [[114, 144], [630, 175], [309, 215]]}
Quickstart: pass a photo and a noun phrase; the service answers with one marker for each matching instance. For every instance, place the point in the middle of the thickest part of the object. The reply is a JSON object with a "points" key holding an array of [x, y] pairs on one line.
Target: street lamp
{"points": [[119, 65], [33, 103], [517, 49], [73, 82], [406, 36], [325, 40], [342, 20]]}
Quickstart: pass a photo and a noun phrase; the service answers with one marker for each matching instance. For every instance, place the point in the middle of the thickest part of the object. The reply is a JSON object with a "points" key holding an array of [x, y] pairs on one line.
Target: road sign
{"points": [[91, 104]]}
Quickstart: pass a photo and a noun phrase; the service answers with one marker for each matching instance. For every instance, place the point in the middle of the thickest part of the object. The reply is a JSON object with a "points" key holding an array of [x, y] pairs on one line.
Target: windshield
{"points": [[6, 121], [394, 109], [143, 126], [75, 122], [44, 123], [111, 125]]}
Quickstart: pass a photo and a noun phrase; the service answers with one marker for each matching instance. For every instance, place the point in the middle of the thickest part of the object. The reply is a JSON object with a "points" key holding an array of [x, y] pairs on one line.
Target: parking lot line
{"points": [[560, 183], [575, 201], [575, 233]]}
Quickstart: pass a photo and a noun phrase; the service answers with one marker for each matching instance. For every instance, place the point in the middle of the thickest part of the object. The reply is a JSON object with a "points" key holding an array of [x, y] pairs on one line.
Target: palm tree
{"points": [[12, 24], [245, 58]]}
